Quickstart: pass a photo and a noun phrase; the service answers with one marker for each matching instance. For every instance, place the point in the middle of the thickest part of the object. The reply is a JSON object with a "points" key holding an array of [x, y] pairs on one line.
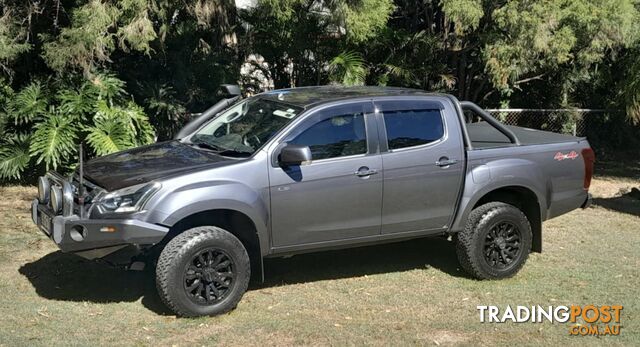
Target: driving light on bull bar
{"points": [[130, 199]]}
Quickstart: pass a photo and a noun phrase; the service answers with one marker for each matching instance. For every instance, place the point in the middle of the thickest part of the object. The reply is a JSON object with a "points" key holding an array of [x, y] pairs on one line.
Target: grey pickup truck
{"points": [[315, 168]]}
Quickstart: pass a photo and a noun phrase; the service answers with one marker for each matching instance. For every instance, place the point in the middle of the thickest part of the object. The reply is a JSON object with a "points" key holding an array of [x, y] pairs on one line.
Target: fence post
{"points": [[574, 128]]}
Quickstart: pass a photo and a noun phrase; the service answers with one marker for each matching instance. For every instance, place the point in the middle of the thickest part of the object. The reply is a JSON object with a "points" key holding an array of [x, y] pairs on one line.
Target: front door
{"points": [[339, 194]]}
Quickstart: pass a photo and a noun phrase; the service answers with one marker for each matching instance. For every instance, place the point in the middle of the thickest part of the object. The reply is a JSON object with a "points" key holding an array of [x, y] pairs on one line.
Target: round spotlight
{"points": [[43, 189], [67, 199], [55, 195]]}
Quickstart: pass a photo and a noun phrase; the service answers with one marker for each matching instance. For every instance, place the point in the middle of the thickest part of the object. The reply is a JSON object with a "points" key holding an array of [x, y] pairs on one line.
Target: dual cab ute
{"points": [[316, 168]]}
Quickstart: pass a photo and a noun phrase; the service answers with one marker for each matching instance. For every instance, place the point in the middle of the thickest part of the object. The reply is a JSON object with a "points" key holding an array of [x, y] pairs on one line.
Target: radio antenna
{"points": [[81, 181]]}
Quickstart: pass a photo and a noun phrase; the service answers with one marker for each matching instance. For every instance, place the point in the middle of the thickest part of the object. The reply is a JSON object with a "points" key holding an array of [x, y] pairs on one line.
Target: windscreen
{"points": [[246, 126]]}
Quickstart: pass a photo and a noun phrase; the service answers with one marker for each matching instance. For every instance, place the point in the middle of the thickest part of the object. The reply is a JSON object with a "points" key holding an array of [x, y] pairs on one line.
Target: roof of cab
{"points": [[311, 96]]}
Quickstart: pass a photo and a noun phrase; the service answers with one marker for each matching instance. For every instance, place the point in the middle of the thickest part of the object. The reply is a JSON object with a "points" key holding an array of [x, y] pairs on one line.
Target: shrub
{"points": [[43, 124]]}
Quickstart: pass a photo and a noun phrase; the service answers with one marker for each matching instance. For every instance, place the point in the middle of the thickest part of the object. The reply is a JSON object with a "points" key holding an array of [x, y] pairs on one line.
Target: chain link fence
{"points": [[566, 121]]}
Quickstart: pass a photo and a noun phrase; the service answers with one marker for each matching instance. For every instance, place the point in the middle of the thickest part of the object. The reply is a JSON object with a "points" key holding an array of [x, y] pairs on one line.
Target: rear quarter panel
{"points": [[557, 182]]}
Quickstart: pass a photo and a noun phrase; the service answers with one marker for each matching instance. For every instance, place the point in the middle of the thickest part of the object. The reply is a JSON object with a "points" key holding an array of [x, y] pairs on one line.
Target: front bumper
{"points": [[94, 238]]}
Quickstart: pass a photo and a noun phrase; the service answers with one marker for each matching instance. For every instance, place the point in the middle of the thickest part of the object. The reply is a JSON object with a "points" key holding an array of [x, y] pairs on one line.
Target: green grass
{"points": [[405, 293]]}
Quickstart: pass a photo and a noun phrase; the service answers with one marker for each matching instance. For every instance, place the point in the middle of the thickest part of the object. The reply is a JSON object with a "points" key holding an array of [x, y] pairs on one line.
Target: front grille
{"points": [[92, 193], [90, 190]]}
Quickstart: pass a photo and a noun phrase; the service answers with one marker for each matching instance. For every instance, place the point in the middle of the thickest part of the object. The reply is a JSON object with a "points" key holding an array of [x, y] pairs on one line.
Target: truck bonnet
{"points": [[144, 164]]}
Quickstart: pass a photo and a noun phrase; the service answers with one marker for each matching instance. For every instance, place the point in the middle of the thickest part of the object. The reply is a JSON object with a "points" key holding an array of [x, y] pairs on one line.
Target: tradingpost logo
{"points": [[587, 320]]}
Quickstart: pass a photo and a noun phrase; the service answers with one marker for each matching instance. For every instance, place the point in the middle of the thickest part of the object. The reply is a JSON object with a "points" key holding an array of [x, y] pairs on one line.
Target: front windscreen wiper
{"points": [[220, 150], [233, 152], [208, 146]]}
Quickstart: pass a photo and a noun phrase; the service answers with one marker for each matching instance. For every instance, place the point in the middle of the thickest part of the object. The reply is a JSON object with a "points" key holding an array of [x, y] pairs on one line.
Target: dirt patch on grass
{"points": [[617, 194], [607, 187]]}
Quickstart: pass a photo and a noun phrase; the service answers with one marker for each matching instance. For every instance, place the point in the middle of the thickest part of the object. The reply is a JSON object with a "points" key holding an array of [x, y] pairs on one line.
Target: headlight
{"points": [[130, 199]]}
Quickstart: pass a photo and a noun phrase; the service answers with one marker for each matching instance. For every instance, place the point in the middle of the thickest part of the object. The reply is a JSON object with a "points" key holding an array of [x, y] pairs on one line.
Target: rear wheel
{"points": [[203, 272], [495, 242]]}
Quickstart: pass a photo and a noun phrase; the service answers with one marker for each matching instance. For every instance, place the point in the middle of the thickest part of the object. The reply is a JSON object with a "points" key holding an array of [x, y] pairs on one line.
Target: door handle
{"points": [[444, 162], [365, 171]]}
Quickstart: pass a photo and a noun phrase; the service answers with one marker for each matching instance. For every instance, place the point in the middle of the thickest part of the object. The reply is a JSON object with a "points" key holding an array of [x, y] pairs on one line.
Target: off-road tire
{"points": [[177, 256], [471, 242]]}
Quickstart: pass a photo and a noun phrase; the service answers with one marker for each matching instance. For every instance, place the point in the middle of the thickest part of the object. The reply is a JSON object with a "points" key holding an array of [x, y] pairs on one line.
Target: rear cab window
{"points": [[411, 123]]}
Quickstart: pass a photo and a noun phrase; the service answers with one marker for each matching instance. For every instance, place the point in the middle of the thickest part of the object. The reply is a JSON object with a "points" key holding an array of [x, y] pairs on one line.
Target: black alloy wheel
{"points": [[495, 242], [204, 271], [209, 276], [502, 245]]}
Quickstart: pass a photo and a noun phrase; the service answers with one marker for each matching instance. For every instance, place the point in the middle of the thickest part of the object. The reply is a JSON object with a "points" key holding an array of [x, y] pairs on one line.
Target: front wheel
{"points": [[203, 272], [495, 242]]}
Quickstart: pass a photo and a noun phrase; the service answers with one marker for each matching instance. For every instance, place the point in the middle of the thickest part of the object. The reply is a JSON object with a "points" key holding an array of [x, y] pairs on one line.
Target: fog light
{"points": [[55, 199], [78, 233], [43, 190], [67, 199], [108, 229]]}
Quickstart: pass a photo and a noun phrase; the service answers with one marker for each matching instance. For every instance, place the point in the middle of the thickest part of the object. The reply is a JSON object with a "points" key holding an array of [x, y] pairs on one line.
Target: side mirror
{"points": [[229, 90], [294, 155]]}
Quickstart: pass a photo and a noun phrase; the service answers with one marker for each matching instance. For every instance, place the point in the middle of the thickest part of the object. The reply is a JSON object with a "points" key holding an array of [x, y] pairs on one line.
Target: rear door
{"points": [[423, 164], [339, 194]]}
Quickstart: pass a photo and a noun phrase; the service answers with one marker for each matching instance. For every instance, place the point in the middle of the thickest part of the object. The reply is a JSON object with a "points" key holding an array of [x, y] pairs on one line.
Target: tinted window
{"points": [[337, 136], [412, 127]]}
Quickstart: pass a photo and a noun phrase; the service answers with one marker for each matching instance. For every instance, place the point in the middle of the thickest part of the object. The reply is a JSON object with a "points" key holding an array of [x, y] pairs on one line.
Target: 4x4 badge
{"points": [[561, 156]]}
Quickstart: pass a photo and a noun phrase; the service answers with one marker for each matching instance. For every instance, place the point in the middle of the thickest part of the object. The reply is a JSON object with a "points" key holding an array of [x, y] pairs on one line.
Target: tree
{"points": [[481, 49], [12, 38], [166, 58], [348, 68], [629, 84], [298, 38]]}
